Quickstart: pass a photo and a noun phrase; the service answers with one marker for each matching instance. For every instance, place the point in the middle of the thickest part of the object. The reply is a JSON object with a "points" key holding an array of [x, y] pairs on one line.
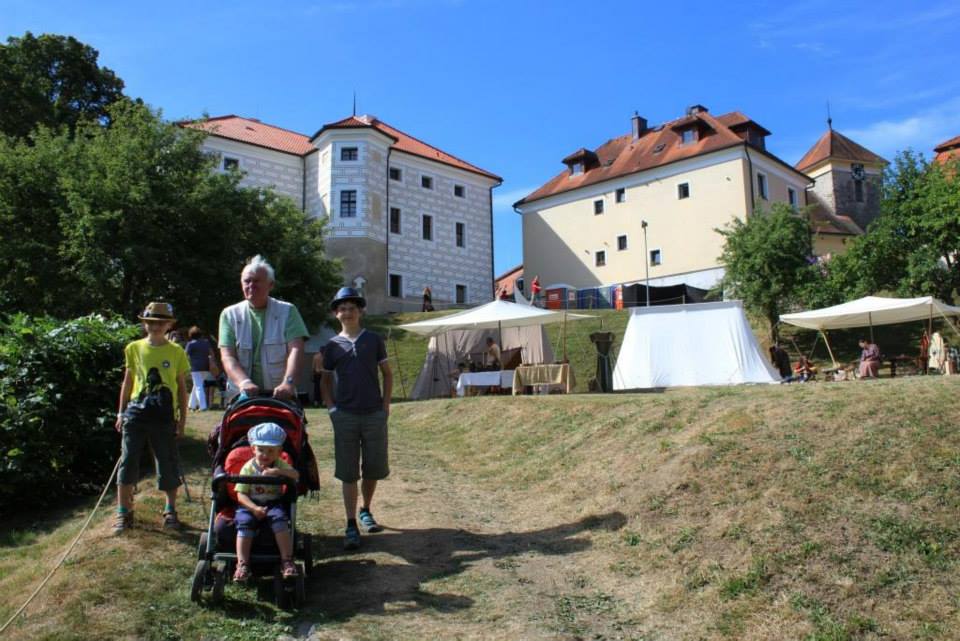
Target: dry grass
{"points": [[819, 512]]}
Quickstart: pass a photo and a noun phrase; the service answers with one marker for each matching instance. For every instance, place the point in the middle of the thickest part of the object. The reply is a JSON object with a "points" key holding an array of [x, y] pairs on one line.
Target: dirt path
{"points": [[456, 561]]}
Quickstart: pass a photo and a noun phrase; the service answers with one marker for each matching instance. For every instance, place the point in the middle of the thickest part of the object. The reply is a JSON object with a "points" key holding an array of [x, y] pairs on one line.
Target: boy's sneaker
{"points": [[122, 522], [351, 539], [368, 523], [170, 520]]}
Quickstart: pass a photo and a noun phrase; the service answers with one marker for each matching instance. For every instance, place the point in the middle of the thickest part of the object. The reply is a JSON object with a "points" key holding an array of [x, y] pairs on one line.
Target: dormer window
{"points": [[580, 161], [688, 136]]}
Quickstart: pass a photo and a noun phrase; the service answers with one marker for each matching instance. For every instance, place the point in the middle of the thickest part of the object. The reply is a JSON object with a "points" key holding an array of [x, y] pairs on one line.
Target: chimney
{"points": [[695, 109], [639, 125]]}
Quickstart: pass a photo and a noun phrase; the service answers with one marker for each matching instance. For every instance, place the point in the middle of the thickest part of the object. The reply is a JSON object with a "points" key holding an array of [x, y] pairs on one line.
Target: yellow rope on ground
{"points": [[66, 553]]}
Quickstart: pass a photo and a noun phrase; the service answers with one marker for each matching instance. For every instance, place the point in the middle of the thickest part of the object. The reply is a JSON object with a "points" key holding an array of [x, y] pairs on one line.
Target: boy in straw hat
{"points": [[152, 364]]}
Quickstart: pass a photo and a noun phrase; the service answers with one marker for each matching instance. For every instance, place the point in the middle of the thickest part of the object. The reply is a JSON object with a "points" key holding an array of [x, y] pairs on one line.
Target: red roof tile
{"points": [[947, 151], [656, 147], [406, 143], [953, 143], [833, 144], [254, 132]]}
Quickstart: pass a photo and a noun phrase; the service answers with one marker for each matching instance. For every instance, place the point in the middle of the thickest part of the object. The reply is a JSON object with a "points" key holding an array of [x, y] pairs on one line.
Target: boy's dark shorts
{"points": [[359, 437], [163, 441]]}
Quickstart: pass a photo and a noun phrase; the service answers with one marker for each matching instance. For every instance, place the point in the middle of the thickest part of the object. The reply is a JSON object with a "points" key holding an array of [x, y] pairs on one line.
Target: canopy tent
{"points": [[499, 314], [695, 344], [513, 325], [869, 311], [447, 351]]}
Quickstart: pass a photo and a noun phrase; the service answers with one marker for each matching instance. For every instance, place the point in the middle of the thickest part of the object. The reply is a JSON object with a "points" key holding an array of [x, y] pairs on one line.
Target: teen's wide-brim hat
{"points": [[158, 311], [348, 294]]}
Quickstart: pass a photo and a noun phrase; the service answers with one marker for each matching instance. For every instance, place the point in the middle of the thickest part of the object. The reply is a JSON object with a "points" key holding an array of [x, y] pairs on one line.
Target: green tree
{"points": [[115, 216], [911, 249], [53, 81], [766, 259]]}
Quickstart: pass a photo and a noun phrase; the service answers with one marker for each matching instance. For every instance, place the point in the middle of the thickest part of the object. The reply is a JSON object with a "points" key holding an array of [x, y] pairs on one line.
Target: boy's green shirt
{"points": [[169, 359]]}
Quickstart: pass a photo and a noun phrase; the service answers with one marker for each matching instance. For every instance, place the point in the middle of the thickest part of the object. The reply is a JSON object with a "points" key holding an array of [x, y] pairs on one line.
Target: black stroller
{"points": [[216, 552]]}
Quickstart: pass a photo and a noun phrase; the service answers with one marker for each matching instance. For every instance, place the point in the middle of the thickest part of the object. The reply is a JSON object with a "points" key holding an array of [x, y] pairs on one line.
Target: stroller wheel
{"points": [[219, 581], [202, 547], [306, 545], [199, 578]]}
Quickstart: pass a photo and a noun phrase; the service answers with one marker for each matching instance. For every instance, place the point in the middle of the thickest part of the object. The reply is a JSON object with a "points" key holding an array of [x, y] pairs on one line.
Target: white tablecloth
{"points": [[503, 378]]}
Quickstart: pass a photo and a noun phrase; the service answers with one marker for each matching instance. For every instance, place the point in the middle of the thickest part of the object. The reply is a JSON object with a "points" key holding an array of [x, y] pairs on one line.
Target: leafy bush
{"points": [[59, 382]]}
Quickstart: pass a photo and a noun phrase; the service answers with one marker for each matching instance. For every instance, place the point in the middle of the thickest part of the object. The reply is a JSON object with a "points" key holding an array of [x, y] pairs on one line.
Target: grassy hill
{"points": [[817, 512]]}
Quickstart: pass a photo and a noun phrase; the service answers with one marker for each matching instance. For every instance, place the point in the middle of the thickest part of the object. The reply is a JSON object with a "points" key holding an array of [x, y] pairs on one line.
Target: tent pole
{"points": [[563, 332], [870, 320], [812, 349], [830, 351], [396, 355]]}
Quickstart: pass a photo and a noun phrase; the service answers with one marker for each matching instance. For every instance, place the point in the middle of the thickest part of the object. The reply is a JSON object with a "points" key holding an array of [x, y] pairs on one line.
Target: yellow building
{"points": [[647, 205]]}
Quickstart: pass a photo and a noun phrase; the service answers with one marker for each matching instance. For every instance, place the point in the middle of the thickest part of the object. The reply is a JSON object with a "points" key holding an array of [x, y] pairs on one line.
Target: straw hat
{"points": [[158, 311]]}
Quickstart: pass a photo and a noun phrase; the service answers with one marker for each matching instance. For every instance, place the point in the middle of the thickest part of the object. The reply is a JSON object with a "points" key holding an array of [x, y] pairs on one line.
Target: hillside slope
{"points": [[819, 511]]}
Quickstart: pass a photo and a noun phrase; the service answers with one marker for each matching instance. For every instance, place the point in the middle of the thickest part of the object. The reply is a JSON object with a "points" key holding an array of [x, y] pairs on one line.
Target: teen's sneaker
{"points": [[122, 522], [368, 523], [351, 539], [170, 520]]}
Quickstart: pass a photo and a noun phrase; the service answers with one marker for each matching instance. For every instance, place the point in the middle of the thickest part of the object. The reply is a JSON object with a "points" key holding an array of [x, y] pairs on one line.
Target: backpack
{"points": [[154, 405]]}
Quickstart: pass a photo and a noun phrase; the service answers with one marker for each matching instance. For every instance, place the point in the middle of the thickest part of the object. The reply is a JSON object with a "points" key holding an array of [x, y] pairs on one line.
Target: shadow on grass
{"points": [[344, 586]]}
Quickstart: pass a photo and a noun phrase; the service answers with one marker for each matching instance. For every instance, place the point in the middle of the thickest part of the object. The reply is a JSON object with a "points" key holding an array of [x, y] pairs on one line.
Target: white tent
{"points": [[682, 345], [872, 310], [499, 314]]}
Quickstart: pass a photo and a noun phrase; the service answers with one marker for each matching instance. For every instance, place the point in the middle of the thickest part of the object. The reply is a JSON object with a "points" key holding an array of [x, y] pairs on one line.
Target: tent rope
{"points": [[69, 549]]}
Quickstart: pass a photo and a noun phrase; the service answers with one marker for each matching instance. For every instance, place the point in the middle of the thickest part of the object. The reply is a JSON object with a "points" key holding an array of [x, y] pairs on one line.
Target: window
{"points": [[426, 182], [655, 258], [792, 197], [461, 233], [621, 195], [348, 203], [688, 136], [461, 294], [519, 283], [597, 207], [231, 163], [349, 153], [858, 190], [576, 168], [396, 286], [396, 174], [621, 242], [601, 258], [459, 191], [762, 186], [394, 220], [427, 227], [683, 191]]}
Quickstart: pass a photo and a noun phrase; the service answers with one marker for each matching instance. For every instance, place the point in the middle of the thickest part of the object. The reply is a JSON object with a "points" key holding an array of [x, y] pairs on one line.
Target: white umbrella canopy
{"points": [[871, 310], [493, 315]]}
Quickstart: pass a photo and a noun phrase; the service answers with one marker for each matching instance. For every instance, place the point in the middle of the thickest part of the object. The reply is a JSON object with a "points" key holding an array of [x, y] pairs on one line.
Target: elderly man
{"points": [[261, 338]]}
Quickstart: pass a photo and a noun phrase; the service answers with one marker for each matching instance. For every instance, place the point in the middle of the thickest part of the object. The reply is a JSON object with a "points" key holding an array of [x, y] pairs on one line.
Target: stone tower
{"points": [[848, 178]]}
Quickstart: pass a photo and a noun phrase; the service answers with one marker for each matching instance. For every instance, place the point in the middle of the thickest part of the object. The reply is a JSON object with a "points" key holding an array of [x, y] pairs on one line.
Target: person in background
{"points": [[781, 360], [535, 290], [427, 300], [869, 359], [491, 355], [804, 370], [199, 353]]}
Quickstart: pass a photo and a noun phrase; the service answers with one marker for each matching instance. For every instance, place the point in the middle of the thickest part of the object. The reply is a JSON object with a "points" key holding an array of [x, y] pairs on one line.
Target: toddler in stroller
{"points": [[261, 465]]}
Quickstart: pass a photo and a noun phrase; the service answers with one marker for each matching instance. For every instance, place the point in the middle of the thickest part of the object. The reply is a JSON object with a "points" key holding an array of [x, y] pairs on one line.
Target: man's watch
{"points": [[288, 380]]}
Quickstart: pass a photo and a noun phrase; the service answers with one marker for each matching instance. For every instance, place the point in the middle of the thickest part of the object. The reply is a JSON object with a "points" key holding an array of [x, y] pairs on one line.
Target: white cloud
{"points": [[505, 199], [921, 131]]}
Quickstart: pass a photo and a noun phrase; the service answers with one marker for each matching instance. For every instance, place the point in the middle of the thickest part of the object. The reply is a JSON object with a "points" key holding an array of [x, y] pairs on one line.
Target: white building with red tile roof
{"points": [[402, 214]]}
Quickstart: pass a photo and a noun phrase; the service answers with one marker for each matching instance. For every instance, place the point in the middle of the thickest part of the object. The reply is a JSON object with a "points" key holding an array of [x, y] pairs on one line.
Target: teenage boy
{"points": [[152, 355], [357, 410]]}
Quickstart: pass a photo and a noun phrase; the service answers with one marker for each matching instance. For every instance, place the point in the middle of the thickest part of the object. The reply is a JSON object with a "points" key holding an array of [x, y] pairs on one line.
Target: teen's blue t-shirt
{"points": [[356, 364]]}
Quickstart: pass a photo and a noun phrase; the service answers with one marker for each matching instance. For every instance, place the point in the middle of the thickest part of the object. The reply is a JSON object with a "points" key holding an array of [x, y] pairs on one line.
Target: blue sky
{"points": [[515, 86]]}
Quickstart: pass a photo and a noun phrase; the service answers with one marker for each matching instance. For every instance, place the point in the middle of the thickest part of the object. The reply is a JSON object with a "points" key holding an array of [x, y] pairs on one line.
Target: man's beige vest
{"points": [[273, 345]]}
